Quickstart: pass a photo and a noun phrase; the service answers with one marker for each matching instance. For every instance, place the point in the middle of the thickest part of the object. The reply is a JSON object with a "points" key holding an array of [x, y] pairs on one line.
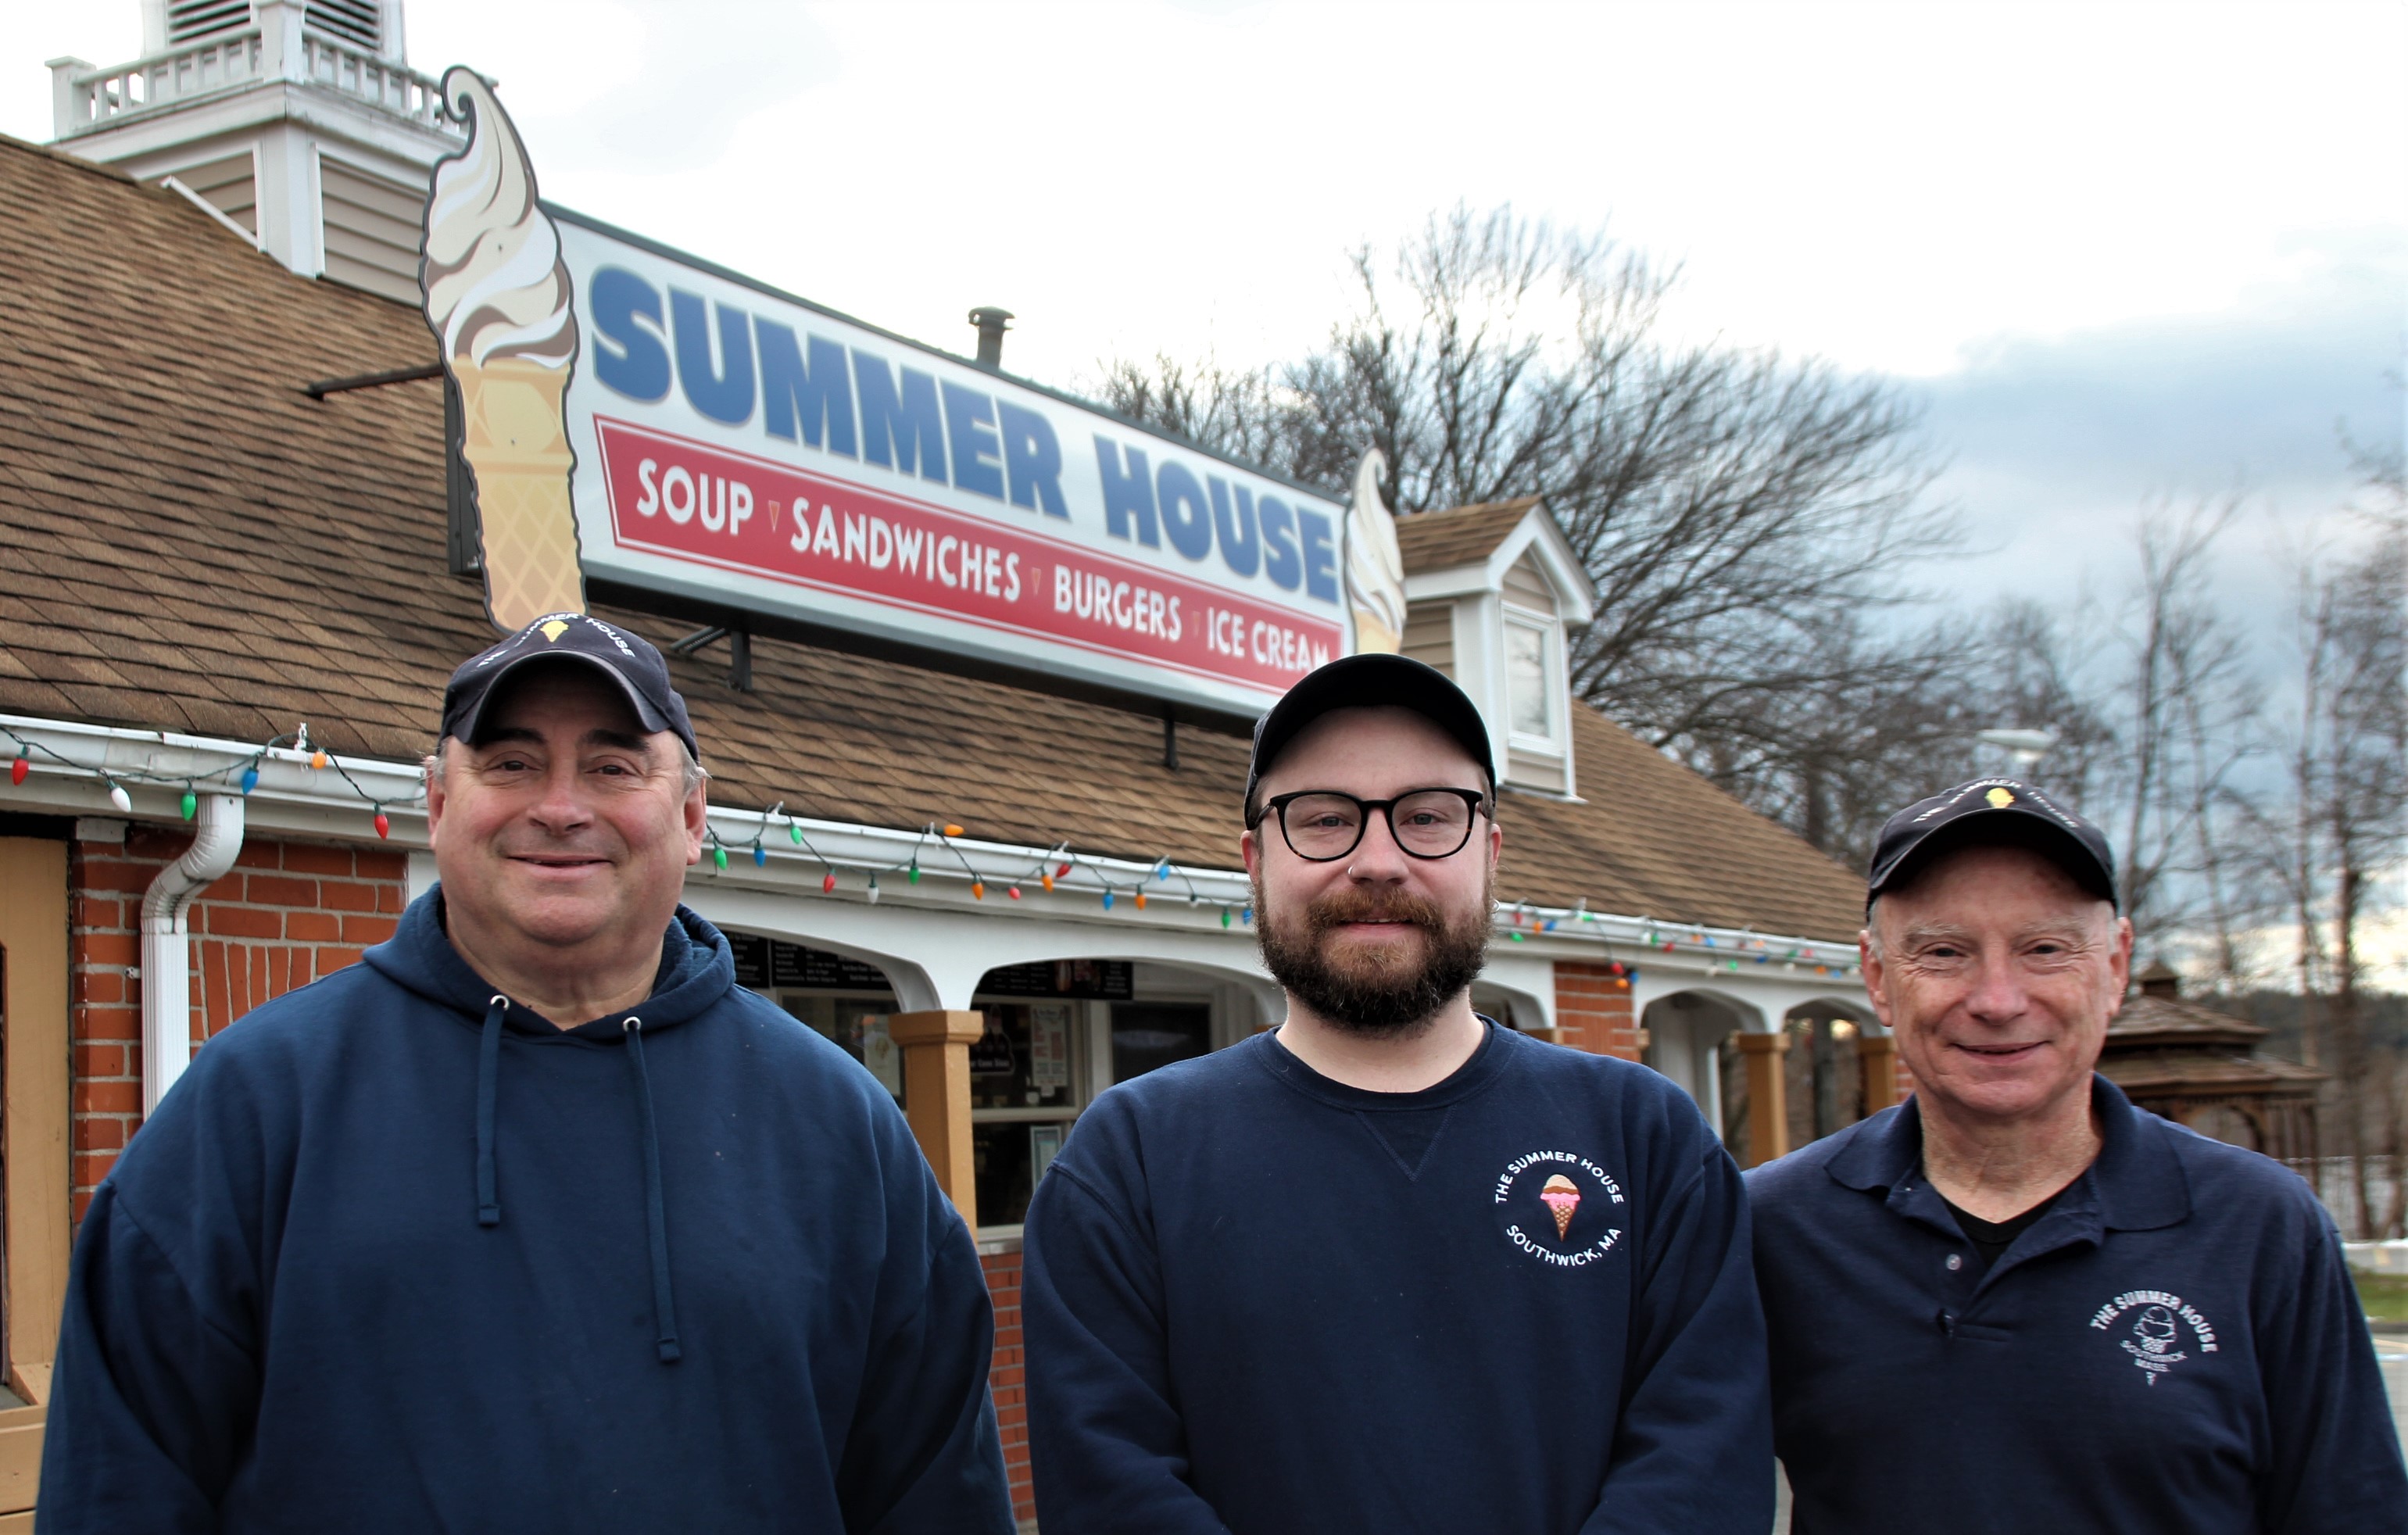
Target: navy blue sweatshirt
{"points": [[2175, 1346], [1261, 1301], [391, 1258]]}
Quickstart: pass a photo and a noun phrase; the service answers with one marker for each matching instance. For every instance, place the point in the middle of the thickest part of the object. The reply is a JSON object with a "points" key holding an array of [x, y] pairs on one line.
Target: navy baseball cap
{"points": [[1370, 682], [627, 659], [1991, 810]]}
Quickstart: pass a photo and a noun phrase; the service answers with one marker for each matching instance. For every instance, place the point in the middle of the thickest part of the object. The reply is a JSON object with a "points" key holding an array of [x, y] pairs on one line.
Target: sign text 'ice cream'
{"points": [[746, 448]]}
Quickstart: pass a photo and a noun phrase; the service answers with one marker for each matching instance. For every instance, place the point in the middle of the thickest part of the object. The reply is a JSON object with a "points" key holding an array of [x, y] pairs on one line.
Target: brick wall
{"points": [[1593, 1010], [288, 913], [1007, 1378]]}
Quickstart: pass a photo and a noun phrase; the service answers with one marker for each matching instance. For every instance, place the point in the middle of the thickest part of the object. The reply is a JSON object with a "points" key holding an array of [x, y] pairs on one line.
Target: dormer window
{"points": [[1489, 593], [1532, 681]]}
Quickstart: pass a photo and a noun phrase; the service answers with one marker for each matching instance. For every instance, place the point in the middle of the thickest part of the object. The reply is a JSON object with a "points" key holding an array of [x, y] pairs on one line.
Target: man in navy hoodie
{"points": [[1393, 1268], [2016, 1302], [534, 1220]]}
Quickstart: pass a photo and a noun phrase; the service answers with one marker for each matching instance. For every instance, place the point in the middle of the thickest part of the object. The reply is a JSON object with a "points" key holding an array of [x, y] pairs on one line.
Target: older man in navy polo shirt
{"points": [[2015, 1303]]}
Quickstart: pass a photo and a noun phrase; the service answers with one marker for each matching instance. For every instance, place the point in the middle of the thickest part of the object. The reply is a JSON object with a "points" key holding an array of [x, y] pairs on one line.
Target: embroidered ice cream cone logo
{"points": [[1566, 1181], [2000, 798], [1562, 1196], [2153, 1334], [553, 630]]}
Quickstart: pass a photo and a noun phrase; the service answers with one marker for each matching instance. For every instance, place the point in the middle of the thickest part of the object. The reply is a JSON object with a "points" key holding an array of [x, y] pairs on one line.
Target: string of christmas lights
{"points": [[240, 774], [1058, 868]]}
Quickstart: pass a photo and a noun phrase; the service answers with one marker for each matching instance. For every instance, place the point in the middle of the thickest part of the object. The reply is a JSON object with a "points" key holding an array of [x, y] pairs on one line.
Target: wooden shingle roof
{"points": [[1442, 540], [190, 542]]}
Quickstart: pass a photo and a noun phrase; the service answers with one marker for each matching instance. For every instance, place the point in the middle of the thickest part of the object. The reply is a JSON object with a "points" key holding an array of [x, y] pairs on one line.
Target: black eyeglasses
{"points": [[1321, 825]]}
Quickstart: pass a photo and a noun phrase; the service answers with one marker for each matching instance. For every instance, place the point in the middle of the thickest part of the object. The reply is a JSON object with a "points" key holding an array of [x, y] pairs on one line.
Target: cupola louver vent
{"points": [[188, 20], [358, 22]]}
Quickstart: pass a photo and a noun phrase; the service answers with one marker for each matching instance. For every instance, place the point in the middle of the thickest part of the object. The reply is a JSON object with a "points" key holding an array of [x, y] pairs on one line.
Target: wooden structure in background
{"points": [[2201, 1069]]}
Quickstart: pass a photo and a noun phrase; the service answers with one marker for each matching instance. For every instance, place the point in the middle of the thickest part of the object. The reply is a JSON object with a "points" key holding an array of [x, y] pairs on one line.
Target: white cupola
{"points": [[298, 122], [1490, 592]]}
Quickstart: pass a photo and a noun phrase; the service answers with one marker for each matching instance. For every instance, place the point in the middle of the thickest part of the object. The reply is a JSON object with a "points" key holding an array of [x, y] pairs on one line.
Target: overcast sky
{"points": [[2125, 251]]}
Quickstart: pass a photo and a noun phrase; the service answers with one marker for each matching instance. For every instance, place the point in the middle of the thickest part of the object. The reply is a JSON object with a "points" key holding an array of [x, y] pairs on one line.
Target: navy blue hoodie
{"points": [[1258, 1301], [2175, 1346], [391, 1258]]}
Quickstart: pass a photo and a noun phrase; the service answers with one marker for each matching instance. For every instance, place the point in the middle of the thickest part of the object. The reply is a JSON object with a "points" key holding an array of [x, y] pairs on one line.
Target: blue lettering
{"points": [[723, 396], [1186, 514], [818, 393], [1032, 458], [904, 433], [1320, 554], [634, 363], [1241, 547], [1126, 494], [969, 427], [1280, 561]]}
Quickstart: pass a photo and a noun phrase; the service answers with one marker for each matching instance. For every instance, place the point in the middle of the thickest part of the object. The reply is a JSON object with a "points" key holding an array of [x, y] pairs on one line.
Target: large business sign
{"points": [[740, 446], [748, 448]]}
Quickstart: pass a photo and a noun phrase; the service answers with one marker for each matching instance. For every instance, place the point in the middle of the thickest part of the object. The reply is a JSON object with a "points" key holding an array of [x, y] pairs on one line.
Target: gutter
{"points": [[292, 799], [166, 949]]}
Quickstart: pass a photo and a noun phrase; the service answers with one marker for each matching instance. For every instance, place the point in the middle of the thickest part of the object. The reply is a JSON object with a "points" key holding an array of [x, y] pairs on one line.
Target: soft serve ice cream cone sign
{"points": [[499, 299], [724, 441]]}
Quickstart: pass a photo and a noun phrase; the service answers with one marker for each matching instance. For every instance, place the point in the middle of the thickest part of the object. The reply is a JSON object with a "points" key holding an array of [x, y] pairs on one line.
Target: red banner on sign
{"points": [[692, 502]]}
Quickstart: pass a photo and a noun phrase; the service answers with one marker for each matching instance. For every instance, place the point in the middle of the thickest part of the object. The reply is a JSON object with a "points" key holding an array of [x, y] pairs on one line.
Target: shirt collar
{"points": [[2138, 1181]]}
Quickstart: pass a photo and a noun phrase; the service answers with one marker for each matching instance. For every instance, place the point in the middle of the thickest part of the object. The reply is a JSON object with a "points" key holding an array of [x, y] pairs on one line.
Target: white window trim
{"points": [[1551, 662]]}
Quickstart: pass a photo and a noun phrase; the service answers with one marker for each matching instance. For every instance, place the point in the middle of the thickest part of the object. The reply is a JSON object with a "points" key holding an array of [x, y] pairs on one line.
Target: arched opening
{"points": [[1056, 1032], [1686, 1041], [1827, 1067], [2229, 1123]]}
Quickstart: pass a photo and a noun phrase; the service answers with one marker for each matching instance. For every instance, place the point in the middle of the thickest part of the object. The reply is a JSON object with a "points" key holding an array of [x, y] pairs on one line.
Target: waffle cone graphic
{"points": [[500, 301], [1562, 1197], [515, 438]]}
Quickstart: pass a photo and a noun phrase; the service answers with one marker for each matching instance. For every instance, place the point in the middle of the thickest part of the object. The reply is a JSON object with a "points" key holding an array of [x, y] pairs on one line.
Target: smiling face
{"points": [[1375, 941], [566, 832], [1998, 976]]}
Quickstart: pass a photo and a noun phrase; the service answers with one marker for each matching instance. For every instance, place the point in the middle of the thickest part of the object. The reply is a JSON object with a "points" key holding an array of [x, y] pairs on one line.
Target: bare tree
{"points": [[2187, 708], [1741, 513]]}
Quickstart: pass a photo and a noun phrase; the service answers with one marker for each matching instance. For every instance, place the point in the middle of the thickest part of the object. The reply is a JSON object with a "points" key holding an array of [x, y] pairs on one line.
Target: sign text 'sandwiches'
{"points": [[752, 451]]}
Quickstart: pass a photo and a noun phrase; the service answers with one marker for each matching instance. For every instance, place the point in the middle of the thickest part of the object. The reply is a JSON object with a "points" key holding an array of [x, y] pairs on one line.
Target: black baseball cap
{"points": [[1991, 810], [627, 659], [1370, 682]]}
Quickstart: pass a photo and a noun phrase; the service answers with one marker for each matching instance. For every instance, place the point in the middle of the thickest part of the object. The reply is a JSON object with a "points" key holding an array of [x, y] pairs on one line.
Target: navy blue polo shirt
{"points": [[2175, 1346]]}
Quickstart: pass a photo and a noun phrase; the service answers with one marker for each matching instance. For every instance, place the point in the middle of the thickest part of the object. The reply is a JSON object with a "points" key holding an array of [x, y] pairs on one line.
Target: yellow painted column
{"points": [[1877, 1056], [1768, 1098], [935, 1048]]}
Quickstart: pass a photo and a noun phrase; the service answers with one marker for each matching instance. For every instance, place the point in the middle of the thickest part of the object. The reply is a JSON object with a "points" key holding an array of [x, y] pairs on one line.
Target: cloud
{"points": [[2056, 444]]}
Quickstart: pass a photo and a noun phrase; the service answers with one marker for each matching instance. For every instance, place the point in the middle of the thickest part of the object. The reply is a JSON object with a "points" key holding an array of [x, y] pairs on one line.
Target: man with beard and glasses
{"points": [[1392, 1267]]}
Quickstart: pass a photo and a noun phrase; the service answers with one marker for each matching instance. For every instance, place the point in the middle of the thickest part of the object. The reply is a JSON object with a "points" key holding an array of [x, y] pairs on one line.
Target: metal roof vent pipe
{"points": [[990, 322]]}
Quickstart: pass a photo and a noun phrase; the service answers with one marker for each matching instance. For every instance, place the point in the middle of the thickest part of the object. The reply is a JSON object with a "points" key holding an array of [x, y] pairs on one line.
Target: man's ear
{"points": [[435, 796], [695, 812], [1250, 852], [1868, 961]]}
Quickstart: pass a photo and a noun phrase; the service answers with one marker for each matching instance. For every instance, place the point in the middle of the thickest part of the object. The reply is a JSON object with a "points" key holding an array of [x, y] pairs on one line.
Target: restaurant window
{"points": [[1057, 1033], [1032, 1072], [847, 1001]]}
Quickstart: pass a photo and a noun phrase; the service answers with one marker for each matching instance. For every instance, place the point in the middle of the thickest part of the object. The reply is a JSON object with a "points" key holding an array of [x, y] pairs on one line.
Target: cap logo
{"points": [[554, 629], [2000, 798]]}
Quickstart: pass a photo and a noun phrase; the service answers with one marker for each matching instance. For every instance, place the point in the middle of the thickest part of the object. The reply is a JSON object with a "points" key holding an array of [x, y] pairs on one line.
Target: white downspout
{"points": [[166, 952]]}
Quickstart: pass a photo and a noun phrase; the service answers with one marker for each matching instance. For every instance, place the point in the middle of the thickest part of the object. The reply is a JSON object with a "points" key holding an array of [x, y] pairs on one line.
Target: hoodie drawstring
{"points": [[489, 1067], [655, 1210]]}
